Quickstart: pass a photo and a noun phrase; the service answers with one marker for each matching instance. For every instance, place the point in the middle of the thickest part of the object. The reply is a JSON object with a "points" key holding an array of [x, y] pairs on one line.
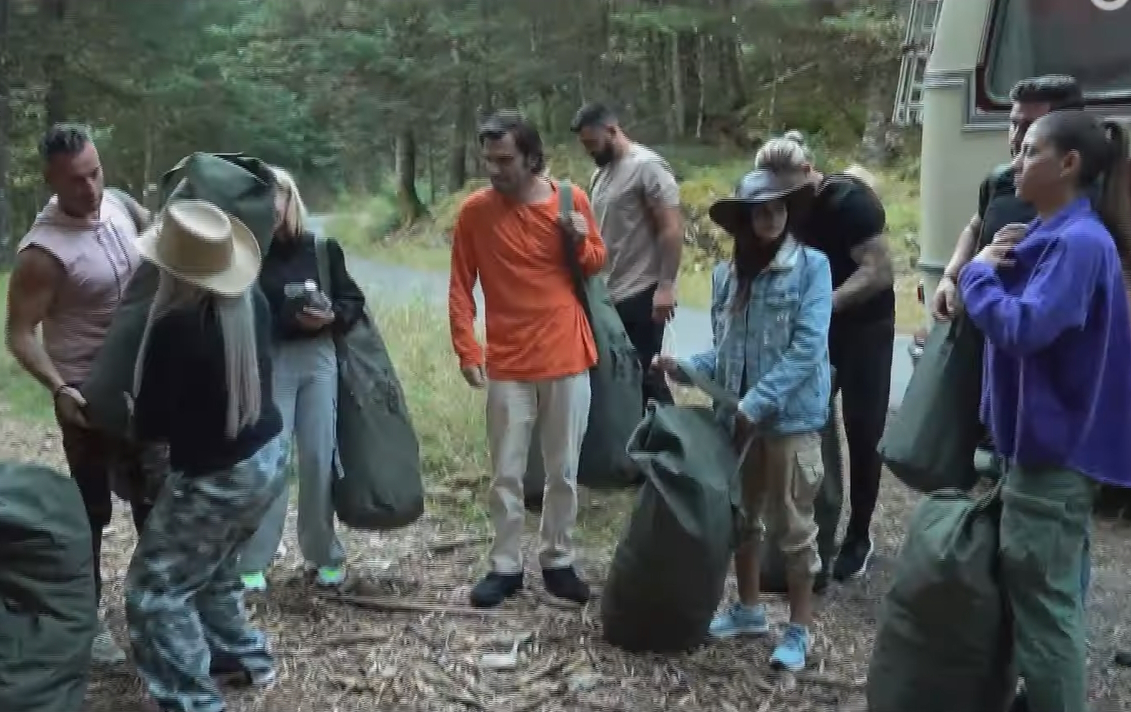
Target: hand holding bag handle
{"points": [[742, 521], [573, 262]]}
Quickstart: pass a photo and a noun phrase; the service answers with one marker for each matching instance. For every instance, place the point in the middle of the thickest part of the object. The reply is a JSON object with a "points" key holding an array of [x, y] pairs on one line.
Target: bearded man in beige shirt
{"points": [[635, 198]]}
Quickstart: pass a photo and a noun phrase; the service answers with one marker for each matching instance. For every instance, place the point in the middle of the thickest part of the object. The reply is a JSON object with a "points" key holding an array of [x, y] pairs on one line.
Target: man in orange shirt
{"points": [[540, 348]]}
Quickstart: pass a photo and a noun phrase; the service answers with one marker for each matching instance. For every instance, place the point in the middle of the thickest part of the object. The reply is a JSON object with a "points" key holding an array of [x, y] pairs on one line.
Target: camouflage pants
{"points": [[184, 598]]}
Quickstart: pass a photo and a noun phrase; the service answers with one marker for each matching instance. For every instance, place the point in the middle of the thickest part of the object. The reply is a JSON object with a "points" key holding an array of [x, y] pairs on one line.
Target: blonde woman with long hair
{"points": [[846, 220], [306, 314], [202, 384]]}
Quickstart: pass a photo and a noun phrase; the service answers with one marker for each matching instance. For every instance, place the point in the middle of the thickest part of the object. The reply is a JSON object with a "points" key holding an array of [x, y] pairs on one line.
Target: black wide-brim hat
{"points": [[759, 186]]}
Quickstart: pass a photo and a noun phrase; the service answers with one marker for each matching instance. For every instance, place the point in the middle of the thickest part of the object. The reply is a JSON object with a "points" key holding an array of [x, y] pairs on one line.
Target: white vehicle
{"points": [[961, 59]]}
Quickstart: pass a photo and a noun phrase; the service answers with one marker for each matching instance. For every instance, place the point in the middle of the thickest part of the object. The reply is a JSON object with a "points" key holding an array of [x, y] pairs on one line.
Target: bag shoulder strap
{"points": [[573, 264], [565, 198], [322, 257]]}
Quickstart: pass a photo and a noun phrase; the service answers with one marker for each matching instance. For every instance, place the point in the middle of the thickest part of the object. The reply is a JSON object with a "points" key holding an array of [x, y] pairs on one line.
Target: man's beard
{"points": [[603, 157]]}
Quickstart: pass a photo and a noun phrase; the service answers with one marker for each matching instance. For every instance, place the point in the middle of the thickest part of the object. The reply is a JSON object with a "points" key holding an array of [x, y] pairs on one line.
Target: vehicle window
{"points": [[1034, 37]]}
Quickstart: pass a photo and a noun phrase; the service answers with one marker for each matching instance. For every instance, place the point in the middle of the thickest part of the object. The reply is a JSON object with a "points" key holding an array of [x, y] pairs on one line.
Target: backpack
{"points": [[378, 484], [616, 382], [48, 610]]}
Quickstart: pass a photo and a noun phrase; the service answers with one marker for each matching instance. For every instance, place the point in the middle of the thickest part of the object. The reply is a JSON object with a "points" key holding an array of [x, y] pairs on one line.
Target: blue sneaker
{"points": [[740, 619], [791, 651]]}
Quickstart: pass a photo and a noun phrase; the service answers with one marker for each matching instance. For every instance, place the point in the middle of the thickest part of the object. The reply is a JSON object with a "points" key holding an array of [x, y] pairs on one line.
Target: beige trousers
{"points": [[561, 408], [781, 476]]}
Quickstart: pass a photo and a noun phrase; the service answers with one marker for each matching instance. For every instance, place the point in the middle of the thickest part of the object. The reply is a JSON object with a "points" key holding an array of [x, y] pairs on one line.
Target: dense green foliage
{"points": [[349, 94]]}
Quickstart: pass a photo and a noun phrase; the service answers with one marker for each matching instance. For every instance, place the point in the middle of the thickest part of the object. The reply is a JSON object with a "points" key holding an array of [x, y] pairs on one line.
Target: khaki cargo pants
{"points": [[781, 476]]}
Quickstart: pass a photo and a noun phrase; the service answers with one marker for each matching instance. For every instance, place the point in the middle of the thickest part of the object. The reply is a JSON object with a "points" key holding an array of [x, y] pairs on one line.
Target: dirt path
{"points": [[336, 656]]}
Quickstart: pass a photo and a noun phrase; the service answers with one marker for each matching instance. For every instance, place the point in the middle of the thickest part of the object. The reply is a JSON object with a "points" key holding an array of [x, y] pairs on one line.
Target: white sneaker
{"points": [[104, 649]]}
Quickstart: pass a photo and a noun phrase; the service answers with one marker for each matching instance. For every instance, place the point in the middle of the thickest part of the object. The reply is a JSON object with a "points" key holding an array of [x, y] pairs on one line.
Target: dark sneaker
{"points": [[564, 583], [494, 589], [853, 559], [1123, 658]]}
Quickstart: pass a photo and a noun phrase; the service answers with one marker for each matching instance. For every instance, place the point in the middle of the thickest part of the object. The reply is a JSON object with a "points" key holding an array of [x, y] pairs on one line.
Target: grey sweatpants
{"points": [[306, 391]]}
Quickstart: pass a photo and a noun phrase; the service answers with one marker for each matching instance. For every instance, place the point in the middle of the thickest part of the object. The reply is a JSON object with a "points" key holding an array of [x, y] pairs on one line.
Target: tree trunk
{"points": [[408, 200], [54, 61], [461, 127], [457, 157], [150, 198], [6, 240], [731, 71], [873, 143], [487, 99], [679, 100], [701, 79], [430, 154]]}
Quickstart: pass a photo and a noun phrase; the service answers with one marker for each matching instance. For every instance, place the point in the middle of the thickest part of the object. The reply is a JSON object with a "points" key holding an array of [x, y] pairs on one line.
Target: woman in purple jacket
{"points": [[1052, 304]]}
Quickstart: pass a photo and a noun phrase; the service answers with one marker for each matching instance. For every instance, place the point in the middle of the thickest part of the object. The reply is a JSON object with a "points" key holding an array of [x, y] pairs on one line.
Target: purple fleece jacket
{"points": [[1056, 386]]}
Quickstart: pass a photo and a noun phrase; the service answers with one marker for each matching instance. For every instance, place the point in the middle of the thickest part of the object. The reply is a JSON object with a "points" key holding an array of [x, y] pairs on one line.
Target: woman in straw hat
{"points": [[770, 311], [202, 383]]}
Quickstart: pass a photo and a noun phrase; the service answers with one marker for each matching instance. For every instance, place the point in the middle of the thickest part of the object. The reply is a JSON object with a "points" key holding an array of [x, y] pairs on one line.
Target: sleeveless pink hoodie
{"points": [[99, 257]]}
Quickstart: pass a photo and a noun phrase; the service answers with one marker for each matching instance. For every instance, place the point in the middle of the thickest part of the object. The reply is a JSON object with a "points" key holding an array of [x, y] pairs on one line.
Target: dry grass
{"points": [[408, 641]]}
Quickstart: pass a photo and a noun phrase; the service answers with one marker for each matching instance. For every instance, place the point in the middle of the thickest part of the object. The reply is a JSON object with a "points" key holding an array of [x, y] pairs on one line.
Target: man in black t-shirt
{"points": [[1001, 214], [846, 222]]}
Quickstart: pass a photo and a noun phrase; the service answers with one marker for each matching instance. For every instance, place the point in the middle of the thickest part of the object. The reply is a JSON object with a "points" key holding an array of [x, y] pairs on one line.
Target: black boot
{"points": [[853, 559], [494, 589], [564, 583]]}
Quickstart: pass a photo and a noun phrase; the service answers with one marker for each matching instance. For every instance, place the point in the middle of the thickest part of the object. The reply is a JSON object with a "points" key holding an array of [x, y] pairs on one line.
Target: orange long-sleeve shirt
{"points": [[536, 327]]}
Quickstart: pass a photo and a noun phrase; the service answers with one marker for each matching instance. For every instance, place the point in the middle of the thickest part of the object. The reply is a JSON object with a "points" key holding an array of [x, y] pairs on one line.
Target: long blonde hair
{"points": [[294, 215], [236, 319]]}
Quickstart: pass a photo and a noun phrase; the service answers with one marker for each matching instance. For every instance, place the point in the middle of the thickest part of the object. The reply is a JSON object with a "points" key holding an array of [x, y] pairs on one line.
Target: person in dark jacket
{"points": [[202, 384], [306, 314]]}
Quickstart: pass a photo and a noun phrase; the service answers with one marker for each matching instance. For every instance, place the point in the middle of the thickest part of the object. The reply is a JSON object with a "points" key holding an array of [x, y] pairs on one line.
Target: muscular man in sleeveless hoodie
{"points": [[71, 273]]}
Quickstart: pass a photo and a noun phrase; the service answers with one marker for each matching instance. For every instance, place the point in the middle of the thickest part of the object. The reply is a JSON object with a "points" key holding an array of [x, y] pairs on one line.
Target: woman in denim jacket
{"points": [[770, 311]]}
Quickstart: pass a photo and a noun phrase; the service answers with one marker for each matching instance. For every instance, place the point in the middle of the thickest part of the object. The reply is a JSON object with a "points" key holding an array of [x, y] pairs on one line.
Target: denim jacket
{"points": [[782, 337]]}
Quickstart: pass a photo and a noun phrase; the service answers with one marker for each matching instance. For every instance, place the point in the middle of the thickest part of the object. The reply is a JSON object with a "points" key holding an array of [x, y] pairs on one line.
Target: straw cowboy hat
{"points": [[759, 186], [199, 243]]}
